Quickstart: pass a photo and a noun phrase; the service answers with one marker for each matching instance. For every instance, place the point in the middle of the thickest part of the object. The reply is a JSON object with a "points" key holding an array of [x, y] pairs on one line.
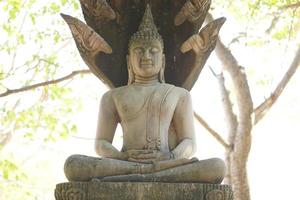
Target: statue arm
{"points": [[184, 125], [107, 122]]}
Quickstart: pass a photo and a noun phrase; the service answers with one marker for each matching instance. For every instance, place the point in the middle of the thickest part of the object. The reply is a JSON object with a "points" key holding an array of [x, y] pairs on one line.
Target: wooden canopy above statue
{"points": [[115, 21]]}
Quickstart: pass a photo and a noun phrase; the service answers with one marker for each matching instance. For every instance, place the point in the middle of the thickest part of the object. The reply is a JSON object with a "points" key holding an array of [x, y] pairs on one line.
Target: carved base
{"points": [[141, 191]]}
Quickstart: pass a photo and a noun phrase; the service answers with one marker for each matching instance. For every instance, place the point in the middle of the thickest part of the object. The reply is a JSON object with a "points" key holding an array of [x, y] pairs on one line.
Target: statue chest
{"points": [[146, 115], [136, 102], [130, 106]]}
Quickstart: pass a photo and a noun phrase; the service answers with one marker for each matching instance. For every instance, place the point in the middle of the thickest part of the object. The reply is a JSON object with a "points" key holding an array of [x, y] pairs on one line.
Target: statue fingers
{"points": [[156, 156], [138, 154], [146, 161], [138, 151], [146, 156], [133, 160]]}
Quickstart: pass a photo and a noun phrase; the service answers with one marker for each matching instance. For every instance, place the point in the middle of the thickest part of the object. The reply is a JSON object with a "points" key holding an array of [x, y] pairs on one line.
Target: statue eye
{"points": [[138, 50], [154, 50]]}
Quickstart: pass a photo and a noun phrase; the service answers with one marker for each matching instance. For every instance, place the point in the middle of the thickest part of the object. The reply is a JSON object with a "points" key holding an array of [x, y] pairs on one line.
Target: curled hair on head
{"points": [[147, 30]]}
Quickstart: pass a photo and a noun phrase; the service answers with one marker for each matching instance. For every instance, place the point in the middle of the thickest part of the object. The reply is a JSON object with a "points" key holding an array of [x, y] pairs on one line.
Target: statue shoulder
{"points": [[116, 93], [110, 94], [180, 92], [107, 98], [111, 98], [119, 90]]}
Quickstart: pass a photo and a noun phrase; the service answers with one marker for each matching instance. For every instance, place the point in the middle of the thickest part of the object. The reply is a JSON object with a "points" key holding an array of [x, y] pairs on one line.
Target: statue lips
{"points": [[146, 63]]}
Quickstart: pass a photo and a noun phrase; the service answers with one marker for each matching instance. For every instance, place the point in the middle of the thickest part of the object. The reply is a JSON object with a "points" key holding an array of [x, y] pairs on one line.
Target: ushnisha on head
{"points": [[146, 58]]}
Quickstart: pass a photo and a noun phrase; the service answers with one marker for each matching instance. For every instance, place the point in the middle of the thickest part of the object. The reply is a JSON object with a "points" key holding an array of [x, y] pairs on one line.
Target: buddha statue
{"points": [[156, 120]]}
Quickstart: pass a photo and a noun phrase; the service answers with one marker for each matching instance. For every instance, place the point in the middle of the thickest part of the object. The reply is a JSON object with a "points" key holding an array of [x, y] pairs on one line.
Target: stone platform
{"points": [[141, 191]]}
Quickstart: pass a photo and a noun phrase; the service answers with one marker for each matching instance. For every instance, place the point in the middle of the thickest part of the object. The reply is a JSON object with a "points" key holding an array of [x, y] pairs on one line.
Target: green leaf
{"points": [[28, 135], [32, 18], [20, 39], [13, 8], [74, 128], [5, 7], [63, 2], [281, 34], [5, 174], [54, 7], [31, 3], [56, 37], [64, 134], [8, 29], [2, 75], [75, 4]]}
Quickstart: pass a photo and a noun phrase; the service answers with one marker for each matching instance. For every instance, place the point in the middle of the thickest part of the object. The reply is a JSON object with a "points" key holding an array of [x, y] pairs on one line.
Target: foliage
{"points": [[265, 46], [267, 26], [262, 19], [32, 43]]}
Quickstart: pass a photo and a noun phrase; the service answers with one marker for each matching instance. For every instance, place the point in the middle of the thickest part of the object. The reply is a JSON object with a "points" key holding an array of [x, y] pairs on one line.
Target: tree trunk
{"points": [[242, 136], [239, 178]]}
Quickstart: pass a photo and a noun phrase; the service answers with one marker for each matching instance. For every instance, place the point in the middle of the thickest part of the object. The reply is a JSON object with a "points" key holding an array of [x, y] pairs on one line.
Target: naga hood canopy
{"points": [[103, 41]]}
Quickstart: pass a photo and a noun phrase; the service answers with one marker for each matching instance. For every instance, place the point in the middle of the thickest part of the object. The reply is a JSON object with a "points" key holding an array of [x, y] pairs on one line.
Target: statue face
{"points": [[146, 58]]}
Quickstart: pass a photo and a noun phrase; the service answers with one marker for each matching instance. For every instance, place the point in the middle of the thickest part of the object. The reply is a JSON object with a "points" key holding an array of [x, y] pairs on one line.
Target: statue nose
{"points": [[147, 53]]}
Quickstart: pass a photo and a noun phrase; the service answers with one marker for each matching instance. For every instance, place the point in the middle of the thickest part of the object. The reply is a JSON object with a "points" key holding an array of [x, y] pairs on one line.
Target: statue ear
{"points": [[162, 70], [130, 71]]}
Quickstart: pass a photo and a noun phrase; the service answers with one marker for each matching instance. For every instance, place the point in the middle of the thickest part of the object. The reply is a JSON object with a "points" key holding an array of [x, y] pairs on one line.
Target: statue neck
{"points": [[146, 80]]}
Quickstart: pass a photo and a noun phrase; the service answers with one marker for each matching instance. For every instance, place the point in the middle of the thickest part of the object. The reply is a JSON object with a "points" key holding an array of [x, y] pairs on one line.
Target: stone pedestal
{"points": [[141, 191]]}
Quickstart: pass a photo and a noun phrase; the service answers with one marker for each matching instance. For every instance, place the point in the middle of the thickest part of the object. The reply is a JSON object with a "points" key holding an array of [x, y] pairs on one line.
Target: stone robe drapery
{"points": [[150, 114]]}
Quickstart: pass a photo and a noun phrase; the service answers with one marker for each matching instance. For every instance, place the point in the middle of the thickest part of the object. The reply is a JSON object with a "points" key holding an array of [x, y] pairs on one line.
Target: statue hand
{"points": [[195, 43], [135, 153], [149, 156]]}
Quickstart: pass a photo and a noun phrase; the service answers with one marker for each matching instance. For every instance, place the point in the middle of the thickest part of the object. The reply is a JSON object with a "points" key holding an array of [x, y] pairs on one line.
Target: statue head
{"points": [[146, 58]]}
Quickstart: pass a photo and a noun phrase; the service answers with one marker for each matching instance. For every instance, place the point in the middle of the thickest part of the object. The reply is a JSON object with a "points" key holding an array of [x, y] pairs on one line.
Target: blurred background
{"points": [[41, 125]]}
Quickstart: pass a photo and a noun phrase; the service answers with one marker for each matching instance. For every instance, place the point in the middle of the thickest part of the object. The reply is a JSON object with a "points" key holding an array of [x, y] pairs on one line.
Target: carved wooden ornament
{"points": [[215, 195], [103, 42]]}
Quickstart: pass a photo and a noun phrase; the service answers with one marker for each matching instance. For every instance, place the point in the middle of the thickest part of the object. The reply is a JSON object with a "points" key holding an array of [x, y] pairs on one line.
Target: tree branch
{"points": [[264, 107], [242, 140], [243, 99], [30, 87], [5, 139], [277, 15], [293, 5], [231, 122], [237, 38], [230, 117], [273, 23], [211, 131]]}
